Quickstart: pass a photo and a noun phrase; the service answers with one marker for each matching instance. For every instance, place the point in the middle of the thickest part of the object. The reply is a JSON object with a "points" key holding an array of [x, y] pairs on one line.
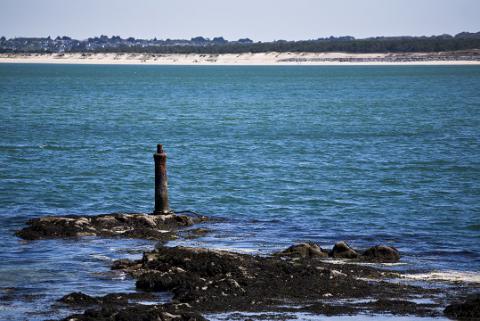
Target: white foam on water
{"points": [[346, 261], [110, 275], [368, 279], [233, 249], [315, 317], [422, 300], [101, 257], [120, 276], [147, 302], [446, 276]]}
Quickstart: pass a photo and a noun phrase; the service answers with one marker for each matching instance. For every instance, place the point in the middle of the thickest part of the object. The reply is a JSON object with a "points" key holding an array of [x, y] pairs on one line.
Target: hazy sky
{"points": [[261, 20]]}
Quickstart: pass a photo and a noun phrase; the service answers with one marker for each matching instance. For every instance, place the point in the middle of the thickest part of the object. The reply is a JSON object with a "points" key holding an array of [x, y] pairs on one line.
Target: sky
{"points": [[259, 20]]}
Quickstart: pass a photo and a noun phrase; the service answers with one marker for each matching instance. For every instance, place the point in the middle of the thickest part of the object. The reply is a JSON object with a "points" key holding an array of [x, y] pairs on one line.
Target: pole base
{"points": [[165, 212]]}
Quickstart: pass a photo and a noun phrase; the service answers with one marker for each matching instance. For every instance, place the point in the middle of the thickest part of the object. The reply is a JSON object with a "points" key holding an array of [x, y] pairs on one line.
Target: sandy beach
{"points": [[270, 58]]}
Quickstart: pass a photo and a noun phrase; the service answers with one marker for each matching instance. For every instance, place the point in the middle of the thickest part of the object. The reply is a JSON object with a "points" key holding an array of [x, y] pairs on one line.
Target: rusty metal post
{"points": [[161, 183]]}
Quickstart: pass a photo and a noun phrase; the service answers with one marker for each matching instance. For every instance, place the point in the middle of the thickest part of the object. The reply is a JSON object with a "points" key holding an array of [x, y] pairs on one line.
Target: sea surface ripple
{"points": [[286, 154]]}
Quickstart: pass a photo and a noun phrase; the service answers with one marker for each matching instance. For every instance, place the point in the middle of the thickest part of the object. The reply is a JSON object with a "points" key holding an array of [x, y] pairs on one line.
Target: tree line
{"points": [[200, 45]]}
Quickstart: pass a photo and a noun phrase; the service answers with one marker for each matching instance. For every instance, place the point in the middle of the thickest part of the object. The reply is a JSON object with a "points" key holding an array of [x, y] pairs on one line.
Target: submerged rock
{"points": [[303, 250], [344, 251], [194, 233], [136, 225], [468, 310], [382, 253]]}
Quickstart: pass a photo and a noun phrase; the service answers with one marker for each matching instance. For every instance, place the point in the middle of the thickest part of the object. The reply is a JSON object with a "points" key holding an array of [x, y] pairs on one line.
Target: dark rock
{"points": [[136, 313], [468, 310], [402, 307], [219, 281], [122, 264], [128, 225], [304, 250], [344, 251], [79, 299], [381, 253], [206, 280]]}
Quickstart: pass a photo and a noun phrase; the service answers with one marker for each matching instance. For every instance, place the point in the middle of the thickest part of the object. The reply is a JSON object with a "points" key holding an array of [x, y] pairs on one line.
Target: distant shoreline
{"points": [[471, 57]]}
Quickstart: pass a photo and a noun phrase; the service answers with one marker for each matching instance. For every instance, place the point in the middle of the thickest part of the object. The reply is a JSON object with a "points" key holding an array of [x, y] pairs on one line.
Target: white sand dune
{"points": [[269, 58]]}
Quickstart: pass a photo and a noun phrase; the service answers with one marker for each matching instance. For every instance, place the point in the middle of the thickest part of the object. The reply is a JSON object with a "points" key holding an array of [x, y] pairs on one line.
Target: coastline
{"points": [[249, 59]]}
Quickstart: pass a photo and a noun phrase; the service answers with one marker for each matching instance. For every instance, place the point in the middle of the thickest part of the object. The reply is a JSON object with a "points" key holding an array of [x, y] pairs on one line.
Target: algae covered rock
{"points": [[126, 225], [381, 253], [343, 251], [304, 250]]}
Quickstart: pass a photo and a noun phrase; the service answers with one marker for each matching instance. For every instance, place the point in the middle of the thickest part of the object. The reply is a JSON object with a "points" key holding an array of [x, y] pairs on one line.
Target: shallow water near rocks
{"points": [[312, 317], [286, 154]]}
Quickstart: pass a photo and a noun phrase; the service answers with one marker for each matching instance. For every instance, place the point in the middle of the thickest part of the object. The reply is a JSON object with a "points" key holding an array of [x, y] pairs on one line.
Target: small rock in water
{"points": [[78, 299], [304, 250], [382, 253], [344, 251]]}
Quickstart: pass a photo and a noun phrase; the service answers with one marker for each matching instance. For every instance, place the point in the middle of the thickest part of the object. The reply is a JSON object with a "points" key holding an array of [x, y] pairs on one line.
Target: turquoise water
{"points": [[364, 154]]}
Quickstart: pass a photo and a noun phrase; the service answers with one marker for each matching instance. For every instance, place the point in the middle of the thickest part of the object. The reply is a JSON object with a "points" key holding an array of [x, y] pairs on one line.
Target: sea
{"points": [[279, 154]]}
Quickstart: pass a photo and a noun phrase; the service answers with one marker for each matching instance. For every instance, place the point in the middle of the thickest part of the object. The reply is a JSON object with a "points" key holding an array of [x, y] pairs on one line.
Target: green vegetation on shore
{"points": [[218, 45]]}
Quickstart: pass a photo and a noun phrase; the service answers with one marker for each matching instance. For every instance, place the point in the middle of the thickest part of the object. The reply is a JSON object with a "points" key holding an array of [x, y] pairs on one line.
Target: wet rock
{"points": [[128, 225], [135, 313], [208, 280], [78, 299], [218, 281], [122, 264], [344, 251], [401, 307], [304, 250], [381, 253], [468, 310]]}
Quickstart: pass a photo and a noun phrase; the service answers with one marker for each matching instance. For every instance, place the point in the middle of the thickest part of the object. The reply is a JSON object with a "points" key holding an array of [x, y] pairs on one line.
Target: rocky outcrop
{"points": [[128, 225], [211, 281], [217, 281]]}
